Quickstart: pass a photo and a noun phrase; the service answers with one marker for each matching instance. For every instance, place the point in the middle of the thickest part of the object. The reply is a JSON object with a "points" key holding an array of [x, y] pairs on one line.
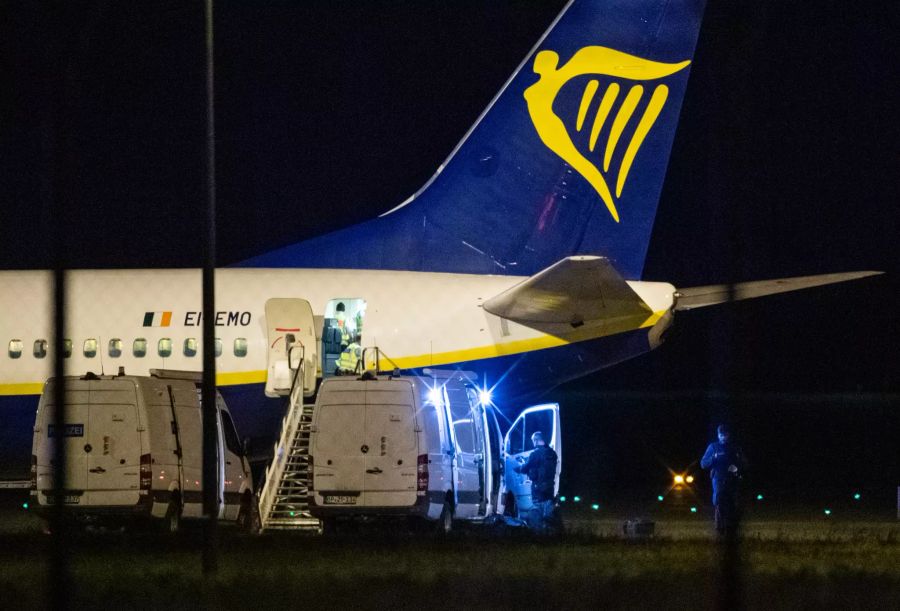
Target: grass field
{"points": [[782, 563]]}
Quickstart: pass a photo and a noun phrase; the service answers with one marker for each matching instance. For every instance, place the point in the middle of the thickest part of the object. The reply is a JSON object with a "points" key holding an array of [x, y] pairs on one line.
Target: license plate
{"points": [[69, 499], [339, 499]]}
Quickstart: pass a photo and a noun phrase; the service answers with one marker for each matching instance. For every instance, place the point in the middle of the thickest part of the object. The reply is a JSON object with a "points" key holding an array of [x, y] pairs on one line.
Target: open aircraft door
{"points": [[517, 446], [291, 346]]}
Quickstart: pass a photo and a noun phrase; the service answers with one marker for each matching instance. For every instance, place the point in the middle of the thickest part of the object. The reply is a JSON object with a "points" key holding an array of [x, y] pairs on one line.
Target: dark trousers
{"points": [[725, 501]]}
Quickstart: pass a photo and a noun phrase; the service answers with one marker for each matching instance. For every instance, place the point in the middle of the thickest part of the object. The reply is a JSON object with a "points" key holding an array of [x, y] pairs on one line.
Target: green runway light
{"points": [[577, 499], [562, 499], [24, 505], [595, 506], [857, 496], [759, 497], [827, 512], [292, 514], [693, 510], [659, 498]]}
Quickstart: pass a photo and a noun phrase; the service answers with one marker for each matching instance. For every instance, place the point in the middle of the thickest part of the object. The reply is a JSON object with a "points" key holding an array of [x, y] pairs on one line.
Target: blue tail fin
{"points": [[569, 158]]}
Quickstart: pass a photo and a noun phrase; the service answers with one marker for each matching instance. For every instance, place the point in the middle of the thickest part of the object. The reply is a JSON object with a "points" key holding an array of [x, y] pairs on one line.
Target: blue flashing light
{"points": [[595, 506], [693, 510], [577, 499], [857, 496], [759, 497], [660, 498], [434, 396], [827, 512], [24, 505], [562, 499], [484, 397]]}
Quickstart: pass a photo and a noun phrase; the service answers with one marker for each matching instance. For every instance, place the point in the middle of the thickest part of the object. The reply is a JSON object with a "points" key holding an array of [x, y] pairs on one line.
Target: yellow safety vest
{"points": [[349, 357]]}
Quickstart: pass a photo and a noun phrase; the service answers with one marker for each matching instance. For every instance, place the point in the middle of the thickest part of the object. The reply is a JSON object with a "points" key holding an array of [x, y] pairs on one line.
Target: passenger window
{"points": [[164, 347], [40, 348], [240, 346], [15, 348], [516, 440], [218, 346], [115, 348], [139, 348], [231, 437], [539, 421], [67, 348], [190, 346], [90, 348]]}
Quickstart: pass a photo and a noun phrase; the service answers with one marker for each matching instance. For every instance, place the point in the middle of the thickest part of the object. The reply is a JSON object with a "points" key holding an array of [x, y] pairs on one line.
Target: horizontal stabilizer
{"points": [[702, 296], [574, 291]]}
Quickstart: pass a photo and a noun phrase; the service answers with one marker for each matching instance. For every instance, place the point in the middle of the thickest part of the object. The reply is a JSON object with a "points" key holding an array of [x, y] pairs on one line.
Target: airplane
{"points": [[521, 259]]}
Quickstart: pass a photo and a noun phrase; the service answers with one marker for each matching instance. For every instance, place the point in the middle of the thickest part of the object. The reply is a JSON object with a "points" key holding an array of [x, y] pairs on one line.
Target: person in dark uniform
{"points": [[541, 470], [726, 464]]}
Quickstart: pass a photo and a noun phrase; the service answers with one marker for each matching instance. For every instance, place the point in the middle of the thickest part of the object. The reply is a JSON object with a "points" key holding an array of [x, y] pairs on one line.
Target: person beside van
{"points": [[541, 470], [349, 359]]}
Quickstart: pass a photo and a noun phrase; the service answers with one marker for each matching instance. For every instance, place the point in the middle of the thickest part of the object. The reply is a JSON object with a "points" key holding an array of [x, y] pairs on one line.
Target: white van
{"points": [[134, 449], [425, 447]]}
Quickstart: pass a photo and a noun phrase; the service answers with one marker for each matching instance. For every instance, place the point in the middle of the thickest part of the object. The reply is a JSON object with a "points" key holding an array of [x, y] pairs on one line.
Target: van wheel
{"points": [[445, 522], [329, 527], [172, 521]]}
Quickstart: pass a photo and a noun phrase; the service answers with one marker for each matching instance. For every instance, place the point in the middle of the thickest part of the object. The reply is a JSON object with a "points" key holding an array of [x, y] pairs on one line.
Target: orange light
{"points": [[689, 479], [679, 479]]}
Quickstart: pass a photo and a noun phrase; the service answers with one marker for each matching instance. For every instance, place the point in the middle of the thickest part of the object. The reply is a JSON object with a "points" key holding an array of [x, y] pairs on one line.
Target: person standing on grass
{"points": [[541, 470], [726, 465]]}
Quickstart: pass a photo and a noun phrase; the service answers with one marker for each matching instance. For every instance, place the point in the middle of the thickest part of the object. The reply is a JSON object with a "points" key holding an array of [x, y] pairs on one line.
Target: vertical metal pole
{"points": [[210, 451]]}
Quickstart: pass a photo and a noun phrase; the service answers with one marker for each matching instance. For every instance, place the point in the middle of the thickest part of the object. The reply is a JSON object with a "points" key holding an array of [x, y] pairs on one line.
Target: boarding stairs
{"points": [[284, 499]]}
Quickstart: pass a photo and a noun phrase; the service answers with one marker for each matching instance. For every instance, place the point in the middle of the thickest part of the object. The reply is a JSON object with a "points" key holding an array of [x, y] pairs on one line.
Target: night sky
{"points": [[785, 163]]}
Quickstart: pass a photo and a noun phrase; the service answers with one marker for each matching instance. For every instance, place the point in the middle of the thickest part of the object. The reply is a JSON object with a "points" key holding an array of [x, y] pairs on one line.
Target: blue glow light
{"points": [[659, 498], [577, 499], [857, 496], [434, 396], [827, 512], [595, 506], [693, 510], [759, 497], [562, 499], [484, 396]]}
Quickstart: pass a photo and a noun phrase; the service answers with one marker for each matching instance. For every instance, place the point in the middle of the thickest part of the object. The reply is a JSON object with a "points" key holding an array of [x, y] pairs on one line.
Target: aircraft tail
{"points": [[568, 159]]}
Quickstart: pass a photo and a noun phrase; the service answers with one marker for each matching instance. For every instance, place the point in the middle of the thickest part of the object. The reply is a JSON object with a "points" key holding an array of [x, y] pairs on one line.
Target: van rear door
{"points": [[339, 457], [113, 460], [74, 438], [517, 447], [390, 439]]}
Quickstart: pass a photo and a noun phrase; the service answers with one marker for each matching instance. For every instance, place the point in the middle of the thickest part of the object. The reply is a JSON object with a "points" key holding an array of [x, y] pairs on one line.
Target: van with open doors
{"points": [[425, 447], [133, 449]]}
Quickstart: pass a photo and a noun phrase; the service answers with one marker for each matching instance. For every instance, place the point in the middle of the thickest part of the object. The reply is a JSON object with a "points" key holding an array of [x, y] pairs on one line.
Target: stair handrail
{"points": [[289, 425]]}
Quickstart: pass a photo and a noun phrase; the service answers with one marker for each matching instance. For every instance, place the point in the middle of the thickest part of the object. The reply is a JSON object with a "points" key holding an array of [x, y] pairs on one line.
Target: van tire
{"points": [[445, 521], [171, 523]]}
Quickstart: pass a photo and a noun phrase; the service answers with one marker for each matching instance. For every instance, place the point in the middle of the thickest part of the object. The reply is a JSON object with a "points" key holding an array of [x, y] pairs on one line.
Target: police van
{"points": [[427, 447], [133, 448]]}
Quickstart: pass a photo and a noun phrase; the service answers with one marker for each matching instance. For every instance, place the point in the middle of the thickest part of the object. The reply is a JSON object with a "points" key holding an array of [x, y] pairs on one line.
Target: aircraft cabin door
{"points": [[290, 329], [517, 447]]}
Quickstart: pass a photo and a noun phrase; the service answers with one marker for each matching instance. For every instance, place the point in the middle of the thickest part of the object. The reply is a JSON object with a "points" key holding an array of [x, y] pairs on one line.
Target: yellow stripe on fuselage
{"points": [[235, 378]]}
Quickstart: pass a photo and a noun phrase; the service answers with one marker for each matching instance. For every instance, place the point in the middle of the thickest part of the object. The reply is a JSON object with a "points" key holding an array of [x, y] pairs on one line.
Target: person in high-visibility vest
{"points": [[349, 358], [340, 316]]}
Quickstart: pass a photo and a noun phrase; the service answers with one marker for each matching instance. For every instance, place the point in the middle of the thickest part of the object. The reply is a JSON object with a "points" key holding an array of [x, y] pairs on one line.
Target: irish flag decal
{"points": [[157, 319]]}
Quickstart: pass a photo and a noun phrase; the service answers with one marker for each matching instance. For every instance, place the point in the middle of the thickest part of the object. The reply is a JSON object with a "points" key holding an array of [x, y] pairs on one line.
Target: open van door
{"points": [[290, 328], [517, 446]]}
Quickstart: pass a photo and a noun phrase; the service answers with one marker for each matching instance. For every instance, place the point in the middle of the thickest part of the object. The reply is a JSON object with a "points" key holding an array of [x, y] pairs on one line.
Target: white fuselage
{"points": [[416, 319]]}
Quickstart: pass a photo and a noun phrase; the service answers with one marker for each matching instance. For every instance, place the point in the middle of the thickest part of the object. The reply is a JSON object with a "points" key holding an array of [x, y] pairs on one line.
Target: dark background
{"points": [[785, 163]]}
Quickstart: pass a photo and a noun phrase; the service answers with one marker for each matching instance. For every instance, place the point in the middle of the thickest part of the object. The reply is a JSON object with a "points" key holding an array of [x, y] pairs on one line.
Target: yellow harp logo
{"points": [[606, 62]]}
